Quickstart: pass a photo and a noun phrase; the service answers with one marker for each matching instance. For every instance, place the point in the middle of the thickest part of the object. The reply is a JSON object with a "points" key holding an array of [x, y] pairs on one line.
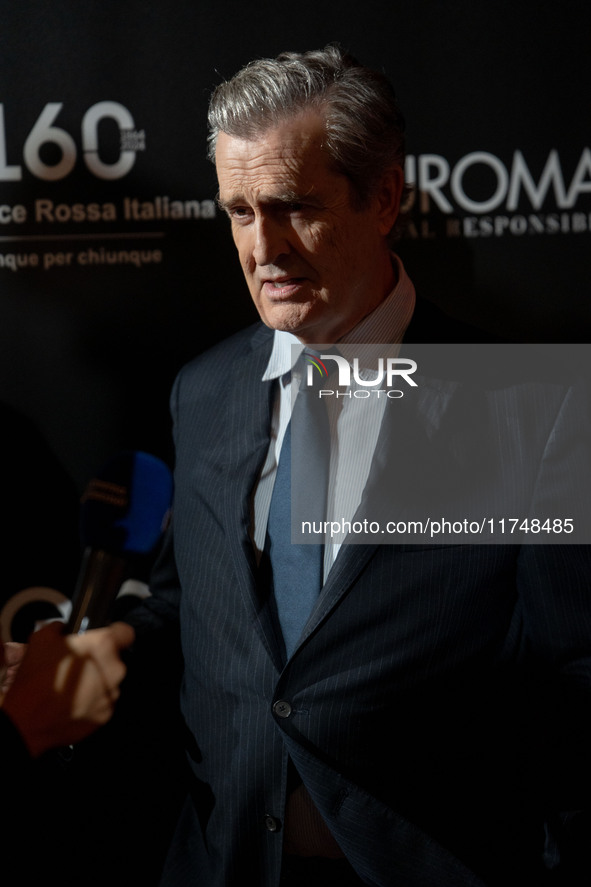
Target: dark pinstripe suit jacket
{"points": [[427, 705]]}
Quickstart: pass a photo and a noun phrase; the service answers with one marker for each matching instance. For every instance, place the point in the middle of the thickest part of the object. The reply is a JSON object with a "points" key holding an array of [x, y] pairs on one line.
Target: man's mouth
{"points": [[285, 281], [282, 286]]}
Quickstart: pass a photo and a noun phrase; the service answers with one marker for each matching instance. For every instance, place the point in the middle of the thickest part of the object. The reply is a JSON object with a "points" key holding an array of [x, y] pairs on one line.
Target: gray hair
{"points": [[364, 126]]}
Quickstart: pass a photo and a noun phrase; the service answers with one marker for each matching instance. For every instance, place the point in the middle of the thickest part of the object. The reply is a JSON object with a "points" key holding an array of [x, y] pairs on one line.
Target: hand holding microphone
{"points": [[65, 683], [66, 687]]}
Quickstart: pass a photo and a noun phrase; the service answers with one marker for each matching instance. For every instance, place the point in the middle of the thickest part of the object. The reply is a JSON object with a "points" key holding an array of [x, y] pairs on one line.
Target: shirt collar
{"points": [[385, 325]]}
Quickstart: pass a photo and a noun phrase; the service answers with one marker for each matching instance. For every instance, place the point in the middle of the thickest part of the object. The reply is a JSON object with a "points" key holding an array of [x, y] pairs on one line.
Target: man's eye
{"points": [[239, 212]]}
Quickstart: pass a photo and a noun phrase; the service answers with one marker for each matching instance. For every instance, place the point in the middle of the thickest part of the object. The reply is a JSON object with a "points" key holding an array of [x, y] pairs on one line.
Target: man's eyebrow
{"points": [[283, 199], [224, 204]]}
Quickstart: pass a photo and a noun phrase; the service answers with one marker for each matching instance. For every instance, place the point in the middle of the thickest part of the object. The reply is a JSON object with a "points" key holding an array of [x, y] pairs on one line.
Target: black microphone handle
{"points": [[99, 582]]}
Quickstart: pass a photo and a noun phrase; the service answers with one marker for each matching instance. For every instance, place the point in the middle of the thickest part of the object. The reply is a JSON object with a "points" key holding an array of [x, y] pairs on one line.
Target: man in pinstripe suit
{"points": [[426, 725]]}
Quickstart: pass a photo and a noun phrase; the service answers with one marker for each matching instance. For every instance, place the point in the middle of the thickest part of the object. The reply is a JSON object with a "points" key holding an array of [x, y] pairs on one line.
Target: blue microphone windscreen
{"points": [[126, 505]]}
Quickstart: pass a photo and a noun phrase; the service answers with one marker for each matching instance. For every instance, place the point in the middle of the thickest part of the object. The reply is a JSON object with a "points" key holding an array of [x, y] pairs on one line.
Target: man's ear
{"points": [[388, 197]]}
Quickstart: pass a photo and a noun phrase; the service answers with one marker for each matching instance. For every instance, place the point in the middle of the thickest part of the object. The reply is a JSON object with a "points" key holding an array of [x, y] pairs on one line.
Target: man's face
{"points": [[315, 266]]}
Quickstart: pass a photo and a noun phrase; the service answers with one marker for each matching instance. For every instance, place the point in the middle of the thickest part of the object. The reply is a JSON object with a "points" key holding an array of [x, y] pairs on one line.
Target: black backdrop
{"points": [[496, 98], [115, 268]]}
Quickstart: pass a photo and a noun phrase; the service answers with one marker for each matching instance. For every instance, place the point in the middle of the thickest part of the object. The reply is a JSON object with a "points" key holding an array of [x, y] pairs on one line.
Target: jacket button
{"points": [[282, 708], [272, 824]]}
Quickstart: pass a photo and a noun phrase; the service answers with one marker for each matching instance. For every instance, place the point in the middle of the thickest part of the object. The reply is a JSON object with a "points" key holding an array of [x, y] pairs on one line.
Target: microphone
{"points": [[123, 513]]}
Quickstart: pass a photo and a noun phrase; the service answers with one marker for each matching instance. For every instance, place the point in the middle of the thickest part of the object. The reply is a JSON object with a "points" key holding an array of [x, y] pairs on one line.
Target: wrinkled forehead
{"points": [[290, 157]]}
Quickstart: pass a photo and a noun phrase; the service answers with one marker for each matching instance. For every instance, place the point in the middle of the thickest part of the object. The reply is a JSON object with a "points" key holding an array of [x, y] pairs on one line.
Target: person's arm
{"points": [[66, 686]]}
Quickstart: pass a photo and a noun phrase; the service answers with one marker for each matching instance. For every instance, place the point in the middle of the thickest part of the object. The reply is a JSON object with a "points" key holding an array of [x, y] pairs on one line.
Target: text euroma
{"points": [[439, 183]]}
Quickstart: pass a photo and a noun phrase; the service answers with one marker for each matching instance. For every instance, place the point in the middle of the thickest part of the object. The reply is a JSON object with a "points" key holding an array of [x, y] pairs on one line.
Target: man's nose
{"points": [[270, 241]]}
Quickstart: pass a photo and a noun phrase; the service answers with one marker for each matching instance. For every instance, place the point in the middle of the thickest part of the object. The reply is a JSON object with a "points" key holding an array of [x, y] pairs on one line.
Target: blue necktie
{"points": [[297, 569]]}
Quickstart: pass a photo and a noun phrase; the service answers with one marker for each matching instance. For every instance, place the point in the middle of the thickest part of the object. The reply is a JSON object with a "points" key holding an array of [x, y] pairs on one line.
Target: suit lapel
{"points": [[248, 422]]}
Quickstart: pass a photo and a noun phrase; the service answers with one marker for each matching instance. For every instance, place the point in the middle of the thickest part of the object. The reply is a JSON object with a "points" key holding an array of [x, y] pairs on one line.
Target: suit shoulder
{"points": [[431, 325], [221, 356]]}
